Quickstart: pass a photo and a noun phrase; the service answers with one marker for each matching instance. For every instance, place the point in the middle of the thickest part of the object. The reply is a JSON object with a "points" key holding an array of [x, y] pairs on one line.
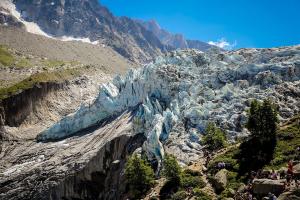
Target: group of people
{"points": [[290, 181]]}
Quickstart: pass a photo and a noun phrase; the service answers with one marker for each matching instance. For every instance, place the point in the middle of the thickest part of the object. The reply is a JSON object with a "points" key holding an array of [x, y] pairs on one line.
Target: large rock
{"points": [[264, 186], [220, 180], [297, 170]]}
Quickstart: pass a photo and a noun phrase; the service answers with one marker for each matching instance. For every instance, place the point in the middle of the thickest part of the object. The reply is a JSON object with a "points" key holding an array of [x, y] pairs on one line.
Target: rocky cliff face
{"points": [[89, 19], [16, 108], [179, 94], [86, 166], [176, 41]]}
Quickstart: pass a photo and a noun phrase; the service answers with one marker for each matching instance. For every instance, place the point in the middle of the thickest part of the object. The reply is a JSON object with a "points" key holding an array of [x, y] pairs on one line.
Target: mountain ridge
{"points": [[177, 41], [90, 21]]}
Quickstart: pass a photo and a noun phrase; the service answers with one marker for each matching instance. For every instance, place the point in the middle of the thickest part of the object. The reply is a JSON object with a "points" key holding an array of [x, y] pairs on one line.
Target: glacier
{"points": [[175, 96]]}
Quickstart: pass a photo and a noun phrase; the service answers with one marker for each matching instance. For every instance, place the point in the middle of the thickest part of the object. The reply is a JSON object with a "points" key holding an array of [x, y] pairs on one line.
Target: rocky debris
{"points": [[80, 167], [290, 195], [220, 180], [265, 186], [42, 47], [177, 95]]}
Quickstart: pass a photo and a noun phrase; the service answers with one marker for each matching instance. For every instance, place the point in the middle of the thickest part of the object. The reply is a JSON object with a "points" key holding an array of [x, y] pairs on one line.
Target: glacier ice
{"points": [[175, 96]]}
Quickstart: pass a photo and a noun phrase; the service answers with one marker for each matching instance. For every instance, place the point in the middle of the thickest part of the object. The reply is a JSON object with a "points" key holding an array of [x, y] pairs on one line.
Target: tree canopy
{"points": [[139, 176]]}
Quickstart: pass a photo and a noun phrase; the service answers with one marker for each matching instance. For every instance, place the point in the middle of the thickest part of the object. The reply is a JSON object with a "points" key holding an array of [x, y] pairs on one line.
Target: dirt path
{"points": [[155, 191]]}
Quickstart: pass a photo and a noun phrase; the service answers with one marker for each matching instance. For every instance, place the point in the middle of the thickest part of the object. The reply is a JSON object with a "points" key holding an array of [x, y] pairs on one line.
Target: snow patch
{"points": [[31, 27], [85, 40]]}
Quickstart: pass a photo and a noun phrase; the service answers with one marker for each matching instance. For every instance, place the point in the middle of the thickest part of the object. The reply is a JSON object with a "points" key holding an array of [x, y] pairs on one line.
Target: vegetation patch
{"points": [[23, 63], [200, 195], [53, 63], [57, 76], [288, 140], [6, 58], [214, 137], [139, 176], [180, 183]]}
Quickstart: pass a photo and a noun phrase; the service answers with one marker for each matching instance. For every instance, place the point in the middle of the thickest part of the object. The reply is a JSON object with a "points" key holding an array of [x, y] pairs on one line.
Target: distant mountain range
{"points": [[139, 41], [177, 41]]}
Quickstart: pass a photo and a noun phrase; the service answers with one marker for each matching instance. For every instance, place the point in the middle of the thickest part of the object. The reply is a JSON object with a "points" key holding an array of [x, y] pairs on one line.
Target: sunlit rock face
{"points": [[177, 95]]}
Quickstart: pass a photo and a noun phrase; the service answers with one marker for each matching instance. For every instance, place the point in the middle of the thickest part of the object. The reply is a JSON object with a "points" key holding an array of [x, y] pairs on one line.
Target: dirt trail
{"points": [[155, 191]]}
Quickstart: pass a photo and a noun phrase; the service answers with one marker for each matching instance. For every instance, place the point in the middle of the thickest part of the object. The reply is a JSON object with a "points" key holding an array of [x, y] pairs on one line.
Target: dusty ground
{"points": [[85, 53]]}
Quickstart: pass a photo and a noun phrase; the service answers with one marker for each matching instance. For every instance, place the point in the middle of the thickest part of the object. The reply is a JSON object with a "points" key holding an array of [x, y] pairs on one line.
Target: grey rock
{"points": [[264, 186], [220, 180]]}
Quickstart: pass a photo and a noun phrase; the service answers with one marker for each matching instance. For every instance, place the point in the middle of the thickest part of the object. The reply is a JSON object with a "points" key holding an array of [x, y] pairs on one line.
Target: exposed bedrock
{"points": [[86, 166], [16, 108], [103, 177]]}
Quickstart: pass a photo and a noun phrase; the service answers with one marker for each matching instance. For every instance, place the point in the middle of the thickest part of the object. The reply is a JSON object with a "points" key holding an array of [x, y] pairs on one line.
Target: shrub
{"points": [[200, 195], [171, 170], [214, 138], [6, 58], [227, 193], [188, 180], [180, 195], [192, 172], [139, 176]]}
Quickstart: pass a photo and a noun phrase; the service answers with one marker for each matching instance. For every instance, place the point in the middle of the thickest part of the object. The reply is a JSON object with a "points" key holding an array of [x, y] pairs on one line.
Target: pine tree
{"points": [[139, 176], [258, 150], [172, 170], [214, 138]]}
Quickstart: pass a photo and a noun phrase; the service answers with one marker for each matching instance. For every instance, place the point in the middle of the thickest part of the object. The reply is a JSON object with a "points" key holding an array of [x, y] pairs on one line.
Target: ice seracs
{"points": [[177, 95]]}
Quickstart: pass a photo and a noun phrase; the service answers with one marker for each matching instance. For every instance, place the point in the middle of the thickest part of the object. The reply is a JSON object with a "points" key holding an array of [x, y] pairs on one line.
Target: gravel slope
{"points": [[85, 53]]}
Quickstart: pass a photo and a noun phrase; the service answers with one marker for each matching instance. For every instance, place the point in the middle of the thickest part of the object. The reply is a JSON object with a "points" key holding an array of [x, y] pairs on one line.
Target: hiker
{"points": [[273, 175], [288, 179], [253, 175], [249, 196], [298, 153], [221, 165], [272, 196], [290, 168]]}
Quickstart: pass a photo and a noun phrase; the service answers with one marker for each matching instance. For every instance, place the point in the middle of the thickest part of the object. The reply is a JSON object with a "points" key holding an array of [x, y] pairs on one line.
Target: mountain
{"points": [[88, 19], [176, 41]]}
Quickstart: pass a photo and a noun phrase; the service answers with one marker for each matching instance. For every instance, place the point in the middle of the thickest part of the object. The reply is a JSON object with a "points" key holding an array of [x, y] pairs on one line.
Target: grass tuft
{"points": [[6, 58], [57, 76]]}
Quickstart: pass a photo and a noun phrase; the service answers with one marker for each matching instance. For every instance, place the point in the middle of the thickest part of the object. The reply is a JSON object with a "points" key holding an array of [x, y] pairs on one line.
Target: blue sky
{"points": [[245, 23]]}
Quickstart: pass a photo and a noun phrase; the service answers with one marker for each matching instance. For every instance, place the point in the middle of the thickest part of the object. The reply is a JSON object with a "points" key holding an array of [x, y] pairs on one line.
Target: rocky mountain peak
{"points": [[177, 41]]}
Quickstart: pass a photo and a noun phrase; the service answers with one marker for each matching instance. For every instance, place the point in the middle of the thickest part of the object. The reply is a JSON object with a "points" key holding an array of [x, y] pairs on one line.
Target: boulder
{"points": [[220, 180], [297, 171], [242, 188], [264, 186]]}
